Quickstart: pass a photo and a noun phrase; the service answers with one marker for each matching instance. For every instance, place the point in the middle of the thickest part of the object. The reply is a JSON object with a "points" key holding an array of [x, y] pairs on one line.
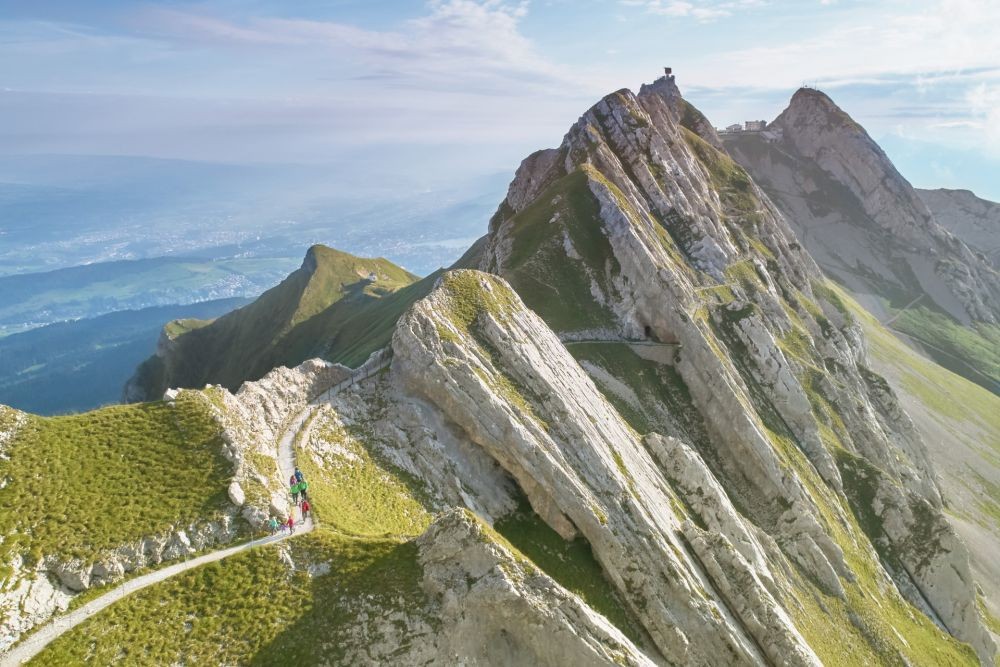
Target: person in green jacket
{"points": [[295, 493], [302, 490]]}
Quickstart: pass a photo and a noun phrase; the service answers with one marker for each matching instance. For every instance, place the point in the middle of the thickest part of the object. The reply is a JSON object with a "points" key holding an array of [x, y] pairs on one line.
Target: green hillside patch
{"points": [[252, 609], [971, 351], [570, 562], [551, 283], [356, 491], [335, 306], [81, 484]]}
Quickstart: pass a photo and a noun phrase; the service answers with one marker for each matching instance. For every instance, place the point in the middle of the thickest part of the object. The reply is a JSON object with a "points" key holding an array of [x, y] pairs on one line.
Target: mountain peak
{"points": [[665, 87], [810, 106]]}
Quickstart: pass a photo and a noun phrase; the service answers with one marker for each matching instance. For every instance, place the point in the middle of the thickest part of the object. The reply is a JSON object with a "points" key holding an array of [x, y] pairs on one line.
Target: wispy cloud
{"points": [[477, 44], [701, 10]]}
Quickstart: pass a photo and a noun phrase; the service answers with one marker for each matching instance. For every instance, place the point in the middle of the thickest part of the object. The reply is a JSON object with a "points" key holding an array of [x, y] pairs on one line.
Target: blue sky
{"points": [[449, 87]]}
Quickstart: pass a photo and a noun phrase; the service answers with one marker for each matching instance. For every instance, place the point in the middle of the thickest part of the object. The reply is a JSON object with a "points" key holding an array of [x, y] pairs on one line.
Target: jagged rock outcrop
{"points": [[649, 232], [253, 420], [516, 392], [859, 217], [495, 608]]}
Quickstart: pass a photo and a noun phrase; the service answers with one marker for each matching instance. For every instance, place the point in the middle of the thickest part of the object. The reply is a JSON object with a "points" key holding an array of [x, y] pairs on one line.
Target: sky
{"points": [[443, 88]]}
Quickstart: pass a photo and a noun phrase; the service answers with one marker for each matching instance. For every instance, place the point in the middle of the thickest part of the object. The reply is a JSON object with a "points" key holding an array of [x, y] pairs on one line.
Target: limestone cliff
{"points": [[859, 217], [974, 220]]}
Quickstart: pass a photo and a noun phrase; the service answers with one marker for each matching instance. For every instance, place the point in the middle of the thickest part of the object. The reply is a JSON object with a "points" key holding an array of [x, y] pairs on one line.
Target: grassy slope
{"points": [[971, 351], [251, 609], [356, 491], [325, 299], [538, 268], [85, 483]]}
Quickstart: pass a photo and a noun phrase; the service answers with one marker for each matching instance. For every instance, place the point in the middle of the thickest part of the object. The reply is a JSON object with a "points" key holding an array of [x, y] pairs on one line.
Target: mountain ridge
{"points": [[749, 487]]}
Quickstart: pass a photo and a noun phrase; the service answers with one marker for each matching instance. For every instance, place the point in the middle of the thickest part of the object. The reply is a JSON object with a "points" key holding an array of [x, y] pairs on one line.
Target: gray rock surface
{"points": [[974, 220], [862, 220]]}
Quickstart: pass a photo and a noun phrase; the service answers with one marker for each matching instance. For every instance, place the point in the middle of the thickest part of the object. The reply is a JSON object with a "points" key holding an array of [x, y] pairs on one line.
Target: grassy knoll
{"points": [[335, 306], [356, 491], [84, 483]]}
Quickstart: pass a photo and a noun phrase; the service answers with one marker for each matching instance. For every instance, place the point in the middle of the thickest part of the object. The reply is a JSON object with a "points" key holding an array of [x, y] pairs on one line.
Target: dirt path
{"points": [[34, 644]]}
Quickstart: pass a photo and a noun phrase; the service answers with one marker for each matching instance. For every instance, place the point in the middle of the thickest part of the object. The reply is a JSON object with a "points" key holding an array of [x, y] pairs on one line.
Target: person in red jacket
{"points": [[305, 509], [291, 523]]}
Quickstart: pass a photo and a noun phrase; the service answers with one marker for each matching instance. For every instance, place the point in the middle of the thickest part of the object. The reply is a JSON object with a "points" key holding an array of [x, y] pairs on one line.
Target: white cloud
{"points": [[477, 43], [866, 42], [701, 10], [984, 105]]}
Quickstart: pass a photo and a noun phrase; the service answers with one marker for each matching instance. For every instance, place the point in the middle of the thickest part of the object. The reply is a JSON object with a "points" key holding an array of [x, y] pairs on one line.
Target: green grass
{"points": [[252, 609], [553, 285], [175, 328], [82, 484], [939, 389], [327, 308], [977, 347], [570, 563], [357, 492], [728, 178]]}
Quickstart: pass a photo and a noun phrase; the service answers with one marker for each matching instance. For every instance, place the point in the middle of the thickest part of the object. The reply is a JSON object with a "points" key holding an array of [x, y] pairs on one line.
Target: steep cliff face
{"points": [[974, 220], [483, 403], [636, 230], [859, 217]]}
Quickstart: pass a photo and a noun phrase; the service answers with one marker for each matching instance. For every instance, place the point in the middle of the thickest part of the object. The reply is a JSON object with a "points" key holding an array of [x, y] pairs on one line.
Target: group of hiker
{"points": [[298, 488]]}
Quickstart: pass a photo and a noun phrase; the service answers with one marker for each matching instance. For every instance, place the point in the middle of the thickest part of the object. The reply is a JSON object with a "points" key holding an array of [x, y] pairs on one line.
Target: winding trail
{"points": [[59, 625]]}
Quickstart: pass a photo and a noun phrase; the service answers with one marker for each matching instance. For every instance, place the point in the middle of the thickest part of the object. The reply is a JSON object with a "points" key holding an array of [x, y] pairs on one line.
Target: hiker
{"points": [[302, 490], [299, 477], [295, 493], [305, 509], [291, 522], [273, 525], [292, 481]]}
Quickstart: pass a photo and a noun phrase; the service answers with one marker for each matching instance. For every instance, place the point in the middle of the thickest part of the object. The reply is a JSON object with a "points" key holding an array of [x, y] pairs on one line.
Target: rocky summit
{"points": [[636, 425]]}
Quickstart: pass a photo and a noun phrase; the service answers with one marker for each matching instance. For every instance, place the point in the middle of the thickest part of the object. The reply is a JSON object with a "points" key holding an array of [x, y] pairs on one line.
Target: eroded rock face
{"points": [[253, 420], [656, 235], [975, 221], [514, 390], [498, 610], [861, 219]]}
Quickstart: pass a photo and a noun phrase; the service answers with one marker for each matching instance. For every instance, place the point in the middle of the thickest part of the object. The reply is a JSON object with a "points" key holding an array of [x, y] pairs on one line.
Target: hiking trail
{"points": [[57, 626]]}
